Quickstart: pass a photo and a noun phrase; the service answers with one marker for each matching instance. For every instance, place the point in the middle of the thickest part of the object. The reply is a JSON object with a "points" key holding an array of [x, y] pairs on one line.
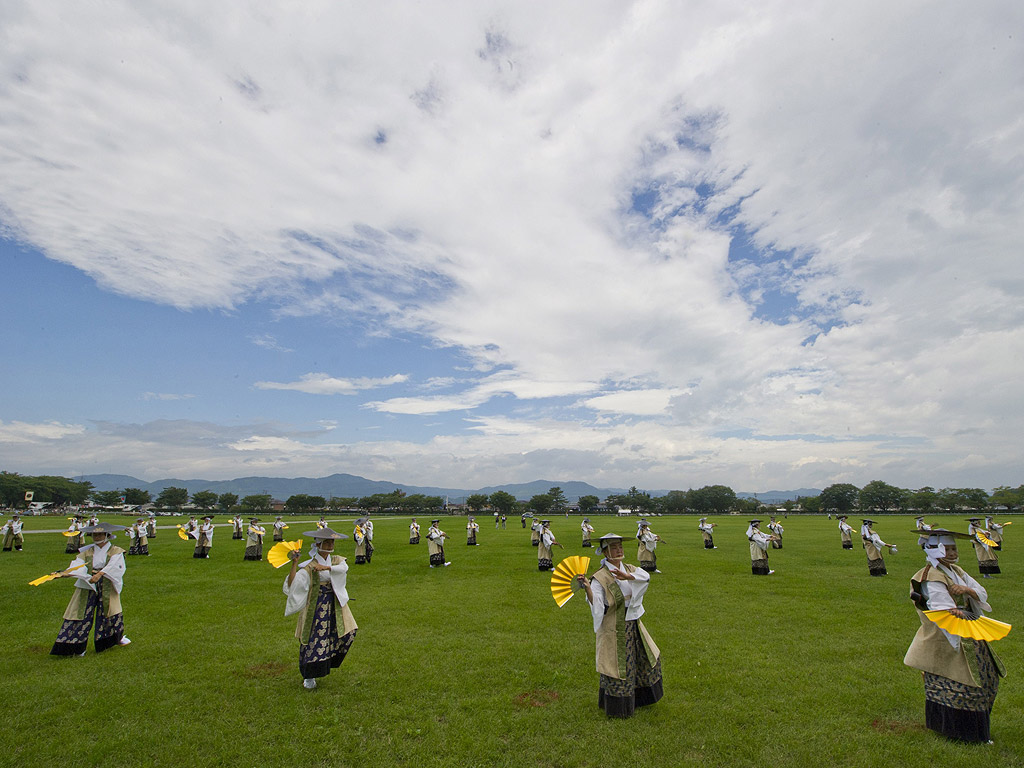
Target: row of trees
{"points": [[882, 497]]}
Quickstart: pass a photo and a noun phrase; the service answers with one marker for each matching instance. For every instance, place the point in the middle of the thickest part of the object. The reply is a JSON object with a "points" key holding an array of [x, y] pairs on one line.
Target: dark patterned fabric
{"points": [[989, 567], [134, 548], [237, 535], [278, 534], [369, 550], [73, 637], [471, 539], [709, 543], [254, 553], [877, 567], [326, 649], [759, 567], [847, 545], [777, 544], [201, 552], [642, 684], [544, 564], [414, 539], [74, 544], [961, 712], [437, 559]]}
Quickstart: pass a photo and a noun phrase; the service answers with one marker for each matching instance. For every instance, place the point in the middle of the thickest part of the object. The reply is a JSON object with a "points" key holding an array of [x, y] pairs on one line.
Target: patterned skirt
{"points": [[650, 565], [414, 539], [254, 552], [471, 539], [236, 535], [544, 564], [12, 540], [201, 553], [759, 567], [642, 685], [134, 548], [74, 544], [777, 544], [988, 566], [877, 567], [709, 542], [438, 559], [961, 712], [326, 649], [74, 634], [847, 545], [586, 542], [278, 535]]}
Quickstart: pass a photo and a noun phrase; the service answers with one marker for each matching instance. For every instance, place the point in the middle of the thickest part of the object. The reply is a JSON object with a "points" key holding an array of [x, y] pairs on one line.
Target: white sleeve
{"points": [[939, 599], [297, 593], [598, 606], [114, 571]]}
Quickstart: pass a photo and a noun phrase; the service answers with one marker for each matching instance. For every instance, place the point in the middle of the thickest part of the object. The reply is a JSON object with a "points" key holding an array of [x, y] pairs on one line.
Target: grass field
{"points": [[474, 665]]}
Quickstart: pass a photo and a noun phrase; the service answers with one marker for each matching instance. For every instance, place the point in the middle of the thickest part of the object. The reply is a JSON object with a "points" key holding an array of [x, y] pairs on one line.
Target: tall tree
{"points": [[923, 500], [257, 501], [304, 502], [676, 502], [477, 501], [107, 498], [503, 501], [588, 503], [540, 504], [137, 497], [839, 497], [1005, 496], [880, 496], [227, 500], [558, 500], [204, 499], [172, 497], [713, 499]]}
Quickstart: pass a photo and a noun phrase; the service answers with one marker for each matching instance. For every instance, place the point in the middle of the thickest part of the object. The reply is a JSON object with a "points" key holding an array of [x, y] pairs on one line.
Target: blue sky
{"points": [[461, 244]]}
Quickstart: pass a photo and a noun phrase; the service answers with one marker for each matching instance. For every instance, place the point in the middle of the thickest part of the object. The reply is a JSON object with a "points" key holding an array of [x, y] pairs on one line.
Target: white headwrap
{"points": [[935, 547]]}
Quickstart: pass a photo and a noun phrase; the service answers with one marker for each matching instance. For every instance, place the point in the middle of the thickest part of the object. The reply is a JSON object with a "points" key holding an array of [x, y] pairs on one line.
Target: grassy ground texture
{"points": [[475, 665]]}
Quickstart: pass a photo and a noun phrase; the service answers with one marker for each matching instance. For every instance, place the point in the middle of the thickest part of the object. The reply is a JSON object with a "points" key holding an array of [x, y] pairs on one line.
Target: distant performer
{"points": [[237, 527], [995, 532], [535, 528], [435, 545], [759, 543], [151, 526], [359, 536], [873, 546], [586, 528], [368, 530], [414, 532], [204, 539], [254, 540], [707, 530], [777, 530], [191, 526], [988, 560], [279, 526], [471, 531], [503, 520], [628, 661], [133, 538], [647, 542], [547, 541], [75, 540], [321, 523], [497, 521], [921, 524], [141, 541], [96, 601], [845, 532], [12, 532], [316, 591]]}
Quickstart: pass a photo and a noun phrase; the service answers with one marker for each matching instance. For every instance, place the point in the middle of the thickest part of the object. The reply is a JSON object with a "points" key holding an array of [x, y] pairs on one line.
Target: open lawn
{"points": [[475, 665]]}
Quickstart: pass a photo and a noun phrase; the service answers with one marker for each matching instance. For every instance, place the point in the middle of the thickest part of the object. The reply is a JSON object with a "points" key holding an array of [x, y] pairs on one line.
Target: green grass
{"points": [[474, 665]]}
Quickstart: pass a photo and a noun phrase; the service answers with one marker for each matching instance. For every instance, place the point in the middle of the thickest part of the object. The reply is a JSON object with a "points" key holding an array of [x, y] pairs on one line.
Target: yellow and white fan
{"points": [[69, 534], [985, 539], [278, 554], [563, 578], [181, 534], [972, 625], [52, 576]]}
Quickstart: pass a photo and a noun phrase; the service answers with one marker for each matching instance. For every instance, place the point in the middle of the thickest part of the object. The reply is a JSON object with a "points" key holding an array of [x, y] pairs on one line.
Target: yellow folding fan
{"points": [[972, 625], [563, 578], [52, 576], [69, 534], [181, 534], [985, 539], [278, 554]]}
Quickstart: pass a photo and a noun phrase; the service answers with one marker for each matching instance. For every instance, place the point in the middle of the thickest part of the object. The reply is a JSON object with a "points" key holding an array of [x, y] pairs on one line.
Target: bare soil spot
{"points": [[536, 698], [266, 669]]}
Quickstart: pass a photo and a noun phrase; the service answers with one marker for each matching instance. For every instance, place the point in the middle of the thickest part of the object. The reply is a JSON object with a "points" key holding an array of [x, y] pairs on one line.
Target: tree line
{"points": [[838, 498]]}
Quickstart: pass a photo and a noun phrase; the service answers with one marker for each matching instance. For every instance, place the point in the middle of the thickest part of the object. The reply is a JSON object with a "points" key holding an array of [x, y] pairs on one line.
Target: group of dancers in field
{"points": [[961, 674]]}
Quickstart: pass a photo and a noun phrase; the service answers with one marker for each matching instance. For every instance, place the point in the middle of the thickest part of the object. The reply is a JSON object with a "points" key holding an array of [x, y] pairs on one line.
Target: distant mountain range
{"points": [[353, 485]]}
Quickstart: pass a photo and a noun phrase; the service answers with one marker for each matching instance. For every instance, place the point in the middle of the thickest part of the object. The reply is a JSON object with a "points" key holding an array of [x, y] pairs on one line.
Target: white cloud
{"points": [[24, 432], [466, 171], [323, 384], [165, 396], [267, 341]]}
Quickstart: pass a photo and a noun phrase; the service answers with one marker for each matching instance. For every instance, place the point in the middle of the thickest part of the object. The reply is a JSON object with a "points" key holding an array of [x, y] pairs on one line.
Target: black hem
{"points": [[957, 724]]}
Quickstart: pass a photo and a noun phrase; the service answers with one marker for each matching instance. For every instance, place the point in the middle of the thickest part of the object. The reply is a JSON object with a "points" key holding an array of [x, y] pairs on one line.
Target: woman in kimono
{"points": [[586, 528], [316, 591], [151, 526], [237, 526], [647, 542], [13, 537], [547, 541], [254, 540], [629, 677], [535, 528], [75, 540], [995, 532], [204, 540], [759, 543], [988, 560], [133, 540], [414, 532], [777, 530], [141, 542], [471, 530], [279, 526], [873, 546], [96, 601], [359, 534], [707, 531], [961, 675], [845, 532], [435, 545]]}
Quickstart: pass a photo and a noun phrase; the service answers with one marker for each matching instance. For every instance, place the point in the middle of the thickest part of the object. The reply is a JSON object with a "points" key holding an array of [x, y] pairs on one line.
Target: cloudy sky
{"points": [[664, 244]]}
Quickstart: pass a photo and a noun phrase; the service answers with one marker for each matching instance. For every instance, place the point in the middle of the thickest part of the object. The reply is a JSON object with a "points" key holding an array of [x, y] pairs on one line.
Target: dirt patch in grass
{"points": [[266, 669], [536, 698], [37, 648], [896, 726]]}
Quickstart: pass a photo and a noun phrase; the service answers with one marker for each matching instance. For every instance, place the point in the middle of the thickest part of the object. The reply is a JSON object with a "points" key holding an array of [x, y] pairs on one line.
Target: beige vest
{"points": [[611, 635], [873, 553], [111, 599], [985, 555], [347, 620], [930, 651], [434, 545]]}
